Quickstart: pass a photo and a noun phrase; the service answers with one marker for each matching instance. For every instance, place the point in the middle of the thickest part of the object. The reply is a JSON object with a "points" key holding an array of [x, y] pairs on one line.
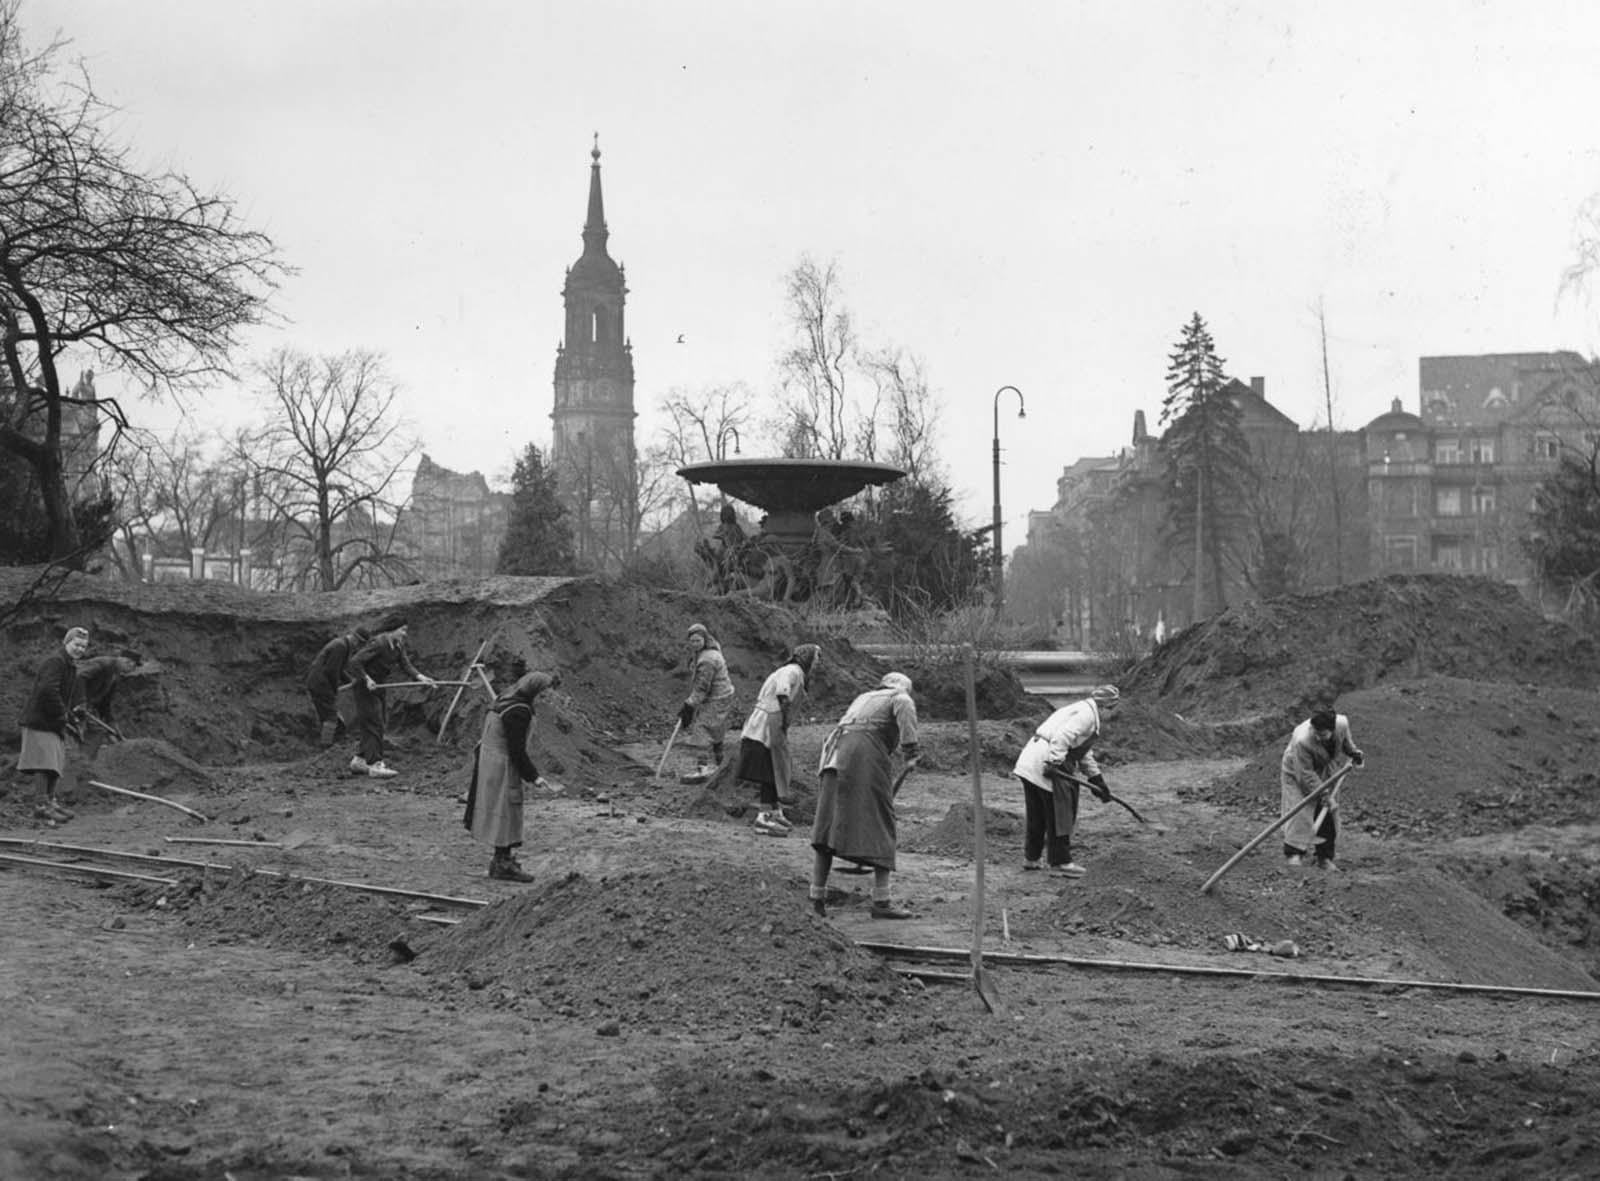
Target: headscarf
{"points": [[700, 629], [75, 633], [897, 681], [394, 621], [527, 687], [805, 655], [1106, 696]]}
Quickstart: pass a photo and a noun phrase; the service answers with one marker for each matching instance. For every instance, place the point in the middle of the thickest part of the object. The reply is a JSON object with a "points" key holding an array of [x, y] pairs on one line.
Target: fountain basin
{"points": [[791, 491]]}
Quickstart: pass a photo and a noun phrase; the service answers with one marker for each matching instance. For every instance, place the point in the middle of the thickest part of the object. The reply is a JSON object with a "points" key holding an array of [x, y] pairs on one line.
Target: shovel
{"points": [[1132, 811], [980, 981], [662, 765], [1329, 784]]}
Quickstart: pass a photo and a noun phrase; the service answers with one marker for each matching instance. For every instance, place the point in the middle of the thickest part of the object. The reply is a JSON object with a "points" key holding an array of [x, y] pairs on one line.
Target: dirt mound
{"points": [[1286, 655], [952, 835], [1398, 918], [150, 765], [223, 669], [1451, 757], [281, 912], [702, 949]]}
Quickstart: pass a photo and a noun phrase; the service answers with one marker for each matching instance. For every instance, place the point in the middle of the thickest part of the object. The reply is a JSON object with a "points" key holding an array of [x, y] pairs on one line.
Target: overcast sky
{"points": [[1036, 195]]}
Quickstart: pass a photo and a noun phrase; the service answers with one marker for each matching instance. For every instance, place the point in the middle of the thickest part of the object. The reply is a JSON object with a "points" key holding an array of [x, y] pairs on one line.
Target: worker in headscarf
{"points": [[856, 788], [710, 690], [324, 678], [47, 719], [1318, 748], [1062, 746], [764, 742], [370, 667], [499, 769], [98, 679]]}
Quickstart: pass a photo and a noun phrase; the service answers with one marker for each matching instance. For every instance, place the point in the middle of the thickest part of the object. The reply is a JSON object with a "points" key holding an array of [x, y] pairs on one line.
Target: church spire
{"points": [[594, 228]]}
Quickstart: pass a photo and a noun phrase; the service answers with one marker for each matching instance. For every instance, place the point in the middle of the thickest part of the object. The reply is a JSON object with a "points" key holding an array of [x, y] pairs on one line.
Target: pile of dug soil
{"points": [[222, 679], [704, 948], [1283, 657], [282, 912]]}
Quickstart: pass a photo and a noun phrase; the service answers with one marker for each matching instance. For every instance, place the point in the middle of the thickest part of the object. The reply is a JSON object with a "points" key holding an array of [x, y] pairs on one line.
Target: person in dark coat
{"points": [[324, 678], [500, 768], [46, 720], [855, 790], [98, 679], [370, 667]]}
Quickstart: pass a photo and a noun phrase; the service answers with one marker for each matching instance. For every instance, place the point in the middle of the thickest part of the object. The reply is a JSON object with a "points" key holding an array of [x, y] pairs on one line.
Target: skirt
{"points": [[42, 750]]}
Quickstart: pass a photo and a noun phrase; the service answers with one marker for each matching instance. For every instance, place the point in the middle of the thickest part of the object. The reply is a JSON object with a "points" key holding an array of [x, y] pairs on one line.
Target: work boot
{"points": [[772, 825], [1031, 864], [358, 766], [45, 813], [819, 907], [62, 813], [506, 869], [888, 910], [381, 770], [1327, 863]]}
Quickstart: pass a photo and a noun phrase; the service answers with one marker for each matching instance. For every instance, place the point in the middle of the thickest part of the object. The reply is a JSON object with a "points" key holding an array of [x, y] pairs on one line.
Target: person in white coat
{"points": [[1062, 746], [764, 758], [1318, 748]]}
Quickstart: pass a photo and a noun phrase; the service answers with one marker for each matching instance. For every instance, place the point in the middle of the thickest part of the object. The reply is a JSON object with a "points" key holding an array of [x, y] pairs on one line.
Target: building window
{"points": [[1488, 559], [1400, 553], [1447, 553], [1546, 447], [1483, 451], [1447, 502], [1447, 451], [1403, 500], [1482, 501]]}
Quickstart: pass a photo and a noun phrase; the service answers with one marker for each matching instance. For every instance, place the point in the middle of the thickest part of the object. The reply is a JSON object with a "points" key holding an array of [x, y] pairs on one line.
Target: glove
{"points": [[686, 715], [912, 754], [1097, 785], [1358, 759]]}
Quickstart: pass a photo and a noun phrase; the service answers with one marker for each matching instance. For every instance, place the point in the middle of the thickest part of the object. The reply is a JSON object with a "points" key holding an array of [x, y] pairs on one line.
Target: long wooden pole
{"points": [[1025, 960], [139, 795], [1322, 788], [466, 678], [985, 993]]}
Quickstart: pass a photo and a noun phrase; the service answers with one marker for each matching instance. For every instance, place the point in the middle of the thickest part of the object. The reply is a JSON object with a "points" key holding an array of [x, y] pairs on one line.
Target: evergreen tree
{"points": [[1208, 462], [1563, 540], [538, 536], [930, 564]]}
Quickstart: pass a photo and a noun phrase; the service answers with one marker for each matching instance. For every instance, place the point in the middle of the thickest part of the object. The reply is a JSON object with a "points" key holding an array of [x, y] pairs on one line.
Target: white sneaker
{"points": [[381, 770], [769, 823], [358, 765]]}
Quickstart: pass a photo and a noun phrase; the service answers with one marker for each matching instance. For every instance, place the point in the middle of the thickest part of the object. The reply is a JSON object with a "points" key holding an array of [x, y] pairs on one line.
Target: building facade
{"points": [[1451, 485], [454, 524], [592, 452]]}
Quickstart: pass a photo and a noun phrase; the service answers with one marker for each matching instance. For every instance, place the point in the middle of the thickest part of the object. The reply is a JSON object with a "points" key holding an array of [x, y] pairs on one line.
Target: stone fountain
{"points": [[791, 491]]}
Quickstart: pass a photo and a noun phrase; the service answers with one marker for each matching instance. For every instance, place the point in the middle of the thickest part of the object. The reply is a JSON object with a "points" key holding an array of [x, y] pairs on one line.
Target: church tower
{"points": [[593, 451]]}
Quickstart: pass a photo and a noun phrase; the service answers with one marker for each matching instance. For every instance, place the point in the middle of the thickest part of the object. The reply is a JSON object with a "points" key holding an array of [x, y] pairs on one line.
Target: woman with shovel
{"points": [[764, 742], [1064, 743], [855, 790], [710, 690], [499, 769], [1316, 746]]}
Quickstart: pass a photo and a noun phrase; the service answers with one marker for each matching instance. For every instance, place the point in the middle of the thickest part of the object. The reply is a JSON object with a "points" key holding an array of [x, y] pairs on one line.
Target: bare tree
{"points": [[328, 467], [171, 498], [816, 411], [151, 274], [903, 385], [701, 425]]}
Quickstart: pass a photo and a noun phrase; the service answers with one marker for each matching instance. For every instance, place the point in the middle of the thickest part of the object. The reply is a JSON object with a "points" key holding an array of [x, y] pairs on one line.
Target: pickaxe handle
{"points": [[1132, 811]]}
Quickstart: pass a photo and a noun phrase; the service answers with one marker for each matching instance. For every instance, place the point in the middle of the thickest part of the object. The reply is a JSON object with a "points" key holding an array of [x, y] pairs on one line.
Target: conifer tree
{"points": [[538, 536], [1208, 461], [1563, 539]]}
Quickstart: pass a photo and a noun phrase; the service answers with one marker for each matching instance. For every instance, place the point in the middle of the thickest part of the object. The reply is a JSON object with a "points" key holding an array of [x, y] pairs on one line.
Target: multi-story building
{"points": [[1129, 578], [1451, 486], [592, 453], [454, 524]]}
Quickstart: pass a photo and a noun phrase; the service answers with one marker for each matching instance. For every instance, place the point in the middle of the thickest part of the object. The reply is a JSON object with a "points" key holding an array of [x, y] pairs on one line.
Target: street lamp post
{"points": [[722, 440], [999, 549]]}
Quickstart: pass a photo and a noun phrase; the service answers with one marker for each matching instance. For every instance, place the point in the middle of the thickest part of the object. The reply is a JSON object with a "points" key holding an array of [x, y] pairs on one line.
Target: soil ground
{"points": [[660, 1001]]}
